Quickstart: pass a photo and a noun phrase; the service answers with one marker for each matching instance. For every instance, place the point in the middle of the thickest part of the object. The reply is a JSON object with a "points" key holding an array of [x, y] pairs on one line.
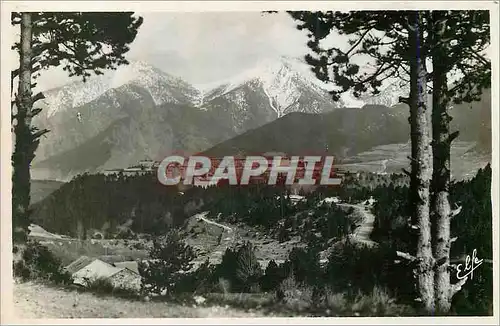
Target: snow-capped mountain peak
{"points": [[281, 80], [162, 87]]}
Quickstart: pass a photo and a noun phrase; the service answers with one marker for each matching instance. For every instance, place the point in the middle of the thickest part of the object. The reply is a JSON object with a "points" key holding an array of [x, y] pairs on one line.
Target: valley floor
{"points": [[33, 300]]}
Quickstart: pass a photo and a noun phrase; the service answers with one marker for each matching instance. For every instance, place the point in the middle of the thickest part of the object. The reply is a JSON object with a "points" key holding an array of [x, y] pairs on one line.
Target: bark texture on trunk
{"points": [[441, 170], [24, 148], [422, 165]]}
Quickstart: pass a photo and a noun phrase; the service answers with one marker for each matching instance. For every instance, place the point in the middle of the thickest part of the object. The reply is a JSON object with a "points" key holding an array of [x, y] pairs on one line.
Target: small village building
{"points": [[85, 270], [126, 278], [147, 164], [78, 264], [112, 172], [97, 269], [134, 171], [132, 265]]}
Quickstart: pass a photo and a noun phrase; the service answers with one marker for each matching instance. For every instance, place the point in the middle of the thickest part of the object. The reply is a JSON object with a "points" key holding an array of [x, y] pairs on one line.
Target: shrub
{"points": [[240, 267], [224, 285], [99, 285], [295, 295], [322, 301], [21, 270], [38, 262], [305, 265], [335, 302], [227, 267], [248, 271], [272, 277], [170, 258], [356, 267], [104, 286], [376, 302], [283, 235], [199, 281]]}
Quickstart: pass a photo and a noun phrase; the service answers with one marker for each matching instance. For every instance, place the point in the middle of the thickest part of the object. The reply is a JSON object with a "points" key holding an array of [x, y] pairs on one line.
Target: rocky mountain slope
{"points": [[162, 87], [79, 111], [269, 91], [139, 111]]}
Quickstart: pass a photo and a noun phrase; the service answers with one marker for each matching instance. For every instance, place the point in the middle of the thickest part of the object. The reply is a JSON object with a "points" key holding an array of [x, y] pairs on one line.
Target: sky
{"points": [[203, 47], [206, 47]]}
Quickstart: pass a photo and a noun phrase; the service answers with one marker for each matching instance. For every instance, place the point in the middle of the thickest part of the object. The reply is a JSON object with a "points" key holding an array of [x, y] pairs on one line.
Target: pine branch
{"points": [[479, 57], [405, 100], [412, 159], [457, 287], [37, 134], [406, 256], [35, 112], [455, 212], [453, 136], [37, 97], [362, 36]]}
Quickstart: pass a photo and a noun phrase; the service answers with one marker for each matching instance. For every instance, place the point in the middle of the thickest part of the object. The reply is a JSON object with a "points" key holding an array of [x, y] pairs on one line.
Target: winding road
{"points": [[202, 217], [363, 232]]}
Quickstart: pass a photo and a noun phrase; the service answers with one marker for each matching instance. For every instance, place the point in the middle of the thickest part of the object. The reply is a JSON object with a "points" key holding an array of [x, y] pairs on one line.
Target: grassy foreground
{"points": [[35, 300]]}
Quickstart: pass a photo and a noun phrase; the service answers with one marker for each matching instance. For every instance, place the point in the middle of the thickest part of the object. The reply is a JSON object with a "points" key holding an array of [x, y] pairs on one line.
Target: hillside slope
{"points": [[42, 188], [342, 132]]}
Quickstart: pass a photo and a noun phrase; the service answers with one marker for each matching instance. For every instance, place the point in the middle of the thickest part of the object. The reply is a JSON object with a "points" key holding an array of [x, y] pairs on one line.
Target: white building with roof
{"points": [[119, 276]]}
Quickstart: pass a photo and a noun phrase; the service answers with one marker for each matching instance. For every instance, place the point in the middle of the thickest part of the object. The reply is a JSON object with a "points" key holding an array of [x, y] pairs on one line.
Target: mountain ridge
{"points": [[126, 124]]}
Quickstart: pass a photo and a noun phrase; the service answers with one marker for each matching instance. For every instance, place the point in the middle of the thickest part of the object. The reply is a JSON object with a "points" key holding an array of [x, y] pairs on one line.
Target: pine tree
{"points": [[453, 41], [457, 41], [248, 270], [170, 258], [81, 43], [393, 40]]}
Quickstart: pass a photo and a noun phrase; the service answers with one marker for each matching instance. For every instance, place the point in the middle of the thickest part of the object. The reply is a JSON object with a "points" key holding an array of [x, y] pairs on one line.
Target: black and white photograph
{"points": [[330, 160]]}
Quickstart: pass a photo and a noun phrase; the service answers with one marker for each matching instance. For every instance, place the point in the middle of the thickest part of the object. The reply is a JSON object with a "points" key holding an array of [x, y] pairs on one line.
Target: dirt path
{"points": [[33, 300], [363, 232], [202, 217]]}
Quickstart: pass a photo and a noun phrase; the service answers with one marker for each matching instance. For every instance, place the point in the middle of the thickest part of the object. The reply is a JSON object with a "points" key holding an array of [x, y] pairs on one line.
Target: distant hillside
{"points": [[342, 133], [150, 133], [110, 205], [42, 188], [74, 126], [473, 120], [374, 138]]}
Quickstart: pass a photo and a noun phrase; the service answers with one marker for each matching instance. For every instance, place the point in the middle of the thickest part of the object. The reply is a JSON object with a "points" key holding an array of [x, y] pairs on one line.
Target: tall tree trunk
{"points": [[24, 148], [441, 169], [422, 165]]}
